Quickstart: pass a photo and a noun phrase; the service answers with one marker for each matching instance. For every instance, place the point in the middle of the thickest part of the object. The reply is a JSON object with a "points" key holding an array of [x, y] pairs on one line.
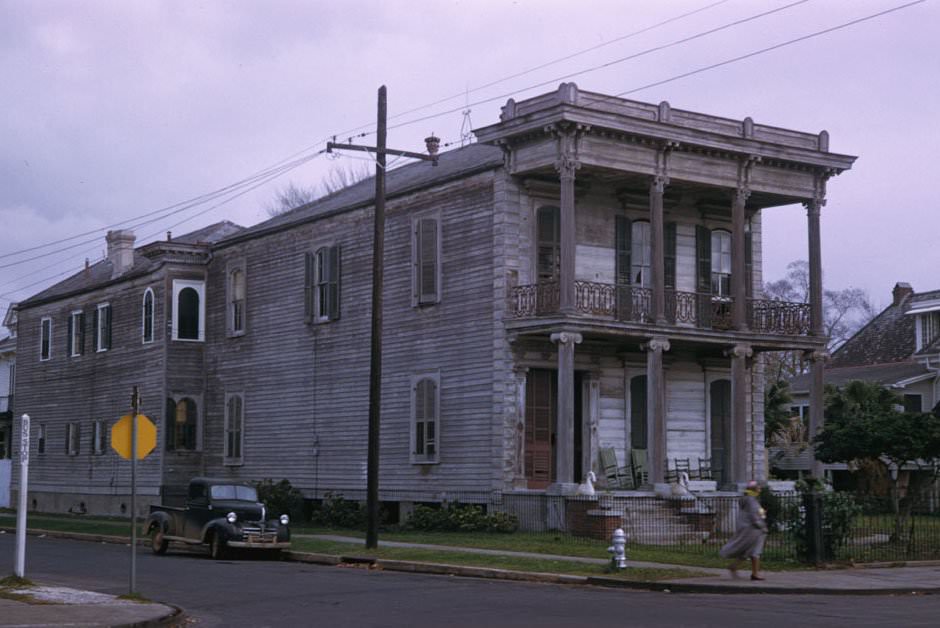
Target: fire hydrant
{"points": [[618, 549]]}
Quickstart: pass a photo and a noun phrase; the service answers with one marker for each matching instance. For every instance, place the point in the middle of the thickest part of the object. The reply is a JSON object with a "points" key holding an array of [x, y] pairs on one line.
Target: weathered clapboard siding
{"points": [[306, 386], [685, 411], [94, 386]]}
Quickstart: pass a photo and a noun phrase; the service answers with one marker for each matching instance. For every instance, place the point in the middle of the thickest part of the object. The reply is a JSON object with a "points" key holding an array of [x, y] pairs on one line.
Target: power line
{"points": [[608, 63], [542, 66]]}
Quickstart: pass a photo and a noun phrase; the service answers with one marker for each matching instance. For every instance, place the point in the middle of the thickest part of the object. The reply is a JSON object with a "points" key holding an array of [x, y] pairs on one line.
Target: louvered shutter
{"points": [[308, 286], [703, 256], [334, 282], [81, 333], [107, 327], [427, 261], [68, 338], [94, 329], [669, 255], [623, 234]]}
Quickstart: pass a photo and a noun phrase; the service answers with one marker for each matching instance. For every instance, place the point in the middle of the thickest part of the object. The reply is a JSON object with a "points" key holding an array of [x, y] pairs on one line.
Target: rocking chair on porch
{"points": [[617, 476]]}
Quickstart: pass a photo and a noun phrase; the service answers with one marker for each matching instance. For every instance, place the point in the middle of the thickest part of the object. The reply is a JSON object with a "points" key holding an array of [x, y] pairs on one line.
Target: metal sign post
{"points": [[135, 408], [20, 566]]}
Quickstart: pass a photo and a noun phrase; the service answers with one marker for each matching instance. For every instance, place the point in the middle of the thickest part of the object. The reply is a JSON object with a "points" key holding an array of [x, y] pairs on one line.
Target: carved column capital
{"points": [[658, 184], [566, 337], [656, 343], [740, 351], [817, 355]]}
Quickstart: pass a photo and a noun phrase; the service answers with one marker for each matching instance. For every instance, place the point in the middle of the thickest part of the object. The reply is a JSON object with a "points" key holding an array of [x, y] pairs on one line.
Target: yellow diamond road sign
{"points": [[121, 436]]}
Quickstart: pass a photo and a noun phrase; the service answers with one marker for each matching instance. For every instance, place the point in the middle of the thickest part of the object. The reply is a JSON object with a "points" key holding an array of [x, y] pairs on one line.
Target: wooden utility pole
{"points": [[378, 252]]}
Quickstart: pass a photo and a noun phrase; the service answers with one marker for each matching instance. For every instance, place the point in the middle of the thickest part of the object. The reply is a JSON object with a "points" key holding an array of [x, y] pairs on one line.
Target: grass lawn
{"points": [[695, 555], [496, 562], [692, 555]]}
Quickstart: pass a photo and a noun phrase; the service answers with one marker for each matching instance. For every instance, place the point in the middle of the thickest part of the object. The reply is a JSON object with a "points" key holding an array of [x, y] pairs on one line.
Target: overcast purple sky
{"points": [[116, 109]]}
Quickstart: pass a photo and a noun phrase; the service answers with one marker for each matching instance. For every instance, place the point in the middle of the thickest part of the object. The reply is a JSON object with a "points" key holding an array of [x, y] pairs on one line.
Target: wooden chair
{"points": [[670, 474], [683, 465], [617, 476], [704, 469], [640, 464]]}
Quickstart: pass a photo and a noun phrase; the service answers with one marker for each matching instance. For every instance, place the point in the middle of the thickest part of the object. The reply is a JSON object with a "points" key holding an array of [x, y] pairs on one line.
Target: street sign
{"points": [[24, 439], [121, 436]]}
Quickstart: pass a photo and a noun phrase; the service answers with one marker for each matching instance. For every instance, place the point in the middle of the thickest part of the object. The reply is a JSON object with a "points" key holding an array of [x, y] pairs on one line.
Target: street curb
{"points": [[170, 619], [664, 586]]}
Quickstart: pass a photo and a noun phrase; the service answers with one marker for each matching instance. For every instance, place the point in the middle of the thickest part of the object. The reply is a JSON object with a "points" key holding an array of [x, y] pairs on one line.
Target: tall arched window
{"points": [[181, 420], [147, 316], [234, 429], [721, 263], [425, 418], [189, 309], [548, 229]]}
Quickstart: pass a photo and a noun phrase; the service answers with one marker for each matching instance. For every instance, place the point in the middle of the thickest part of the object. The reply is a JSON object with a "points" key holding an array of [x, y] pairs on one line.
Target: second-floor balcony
{"points": [[633, 304]]}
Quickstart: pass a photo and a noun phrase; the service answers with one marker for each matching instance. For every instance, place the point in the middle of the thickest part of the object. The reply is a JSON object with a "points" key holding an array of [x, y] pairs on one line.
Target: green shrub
{"points": [[281, 498], [338, 512], [460, 518], [839, 512]]}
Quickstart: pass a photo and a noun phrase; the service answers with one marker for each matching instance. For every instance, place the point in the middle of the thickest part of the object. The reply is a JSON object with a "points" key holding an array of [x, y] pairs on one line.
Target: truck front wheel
{"points": [[158, 542], [217, 546]]}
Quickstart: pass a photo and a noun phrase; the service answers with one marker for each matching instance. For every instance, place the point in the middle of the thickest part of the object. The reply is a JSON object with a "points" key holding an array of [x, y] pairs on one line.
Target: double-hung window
{"points": [[548, 236], [425, 413], [641, 254], [45, 339], [76, 333], [236, 302], [721, 263], [322, 284], [103, 327], [426, 259], [234, 429]]}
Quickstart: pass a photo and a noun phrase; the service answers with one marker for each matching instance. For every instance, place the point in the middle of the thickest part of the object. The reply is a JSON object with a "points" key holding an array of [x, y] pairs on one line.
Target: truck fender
{"points": [[216, 526], [158, 519]]}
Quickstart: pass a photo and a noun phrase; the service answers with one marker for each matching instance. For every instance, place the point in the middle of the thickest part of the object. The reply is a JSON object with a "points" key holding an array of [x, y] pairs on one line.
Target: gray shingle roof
{"points": [[451, 164], [99, 273], [889, 337], [884, 374]]}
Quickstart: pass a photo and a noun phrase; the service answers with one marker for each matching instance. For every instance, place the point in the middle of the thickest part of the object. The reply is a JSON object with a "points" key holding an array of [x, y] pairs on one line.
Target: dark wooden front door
{"points": [[720, 393], [540, 420]]}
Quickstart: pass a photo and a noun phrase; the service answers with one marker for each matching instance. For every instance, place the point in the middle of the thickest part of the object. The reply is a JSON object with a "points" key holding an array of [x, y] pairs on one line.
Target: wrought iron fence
{"points": [[779, 317], [533, 299]]}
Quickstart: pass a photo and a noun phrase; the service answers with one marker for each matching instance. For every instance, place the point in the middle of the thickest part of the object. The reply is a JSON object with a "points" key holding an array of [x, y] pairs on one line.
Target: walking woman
{"points": [[751, 529]]}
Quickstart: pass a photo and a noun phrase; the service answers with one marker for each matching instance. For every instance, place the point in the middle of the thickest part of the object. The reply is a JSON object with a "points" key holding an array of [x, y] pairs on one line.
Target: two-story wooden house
{"points": [[587, 276]]}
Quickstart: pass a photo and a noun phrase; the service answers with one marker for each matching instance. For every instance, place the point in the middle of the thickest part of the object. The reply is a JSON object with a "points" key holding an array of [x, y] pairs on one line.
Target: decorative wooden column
{"points": [[738, 266], [740, 381], [566, 165], [815, 264], [564, 429], [658, 248], [656, 408], [817, 365]]}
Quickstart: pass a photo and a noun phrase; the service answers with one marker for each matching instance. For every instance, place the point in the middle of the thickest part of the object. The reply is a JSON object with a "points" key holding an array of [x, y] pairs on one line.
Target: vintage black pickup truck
{"points": [[222, 514]]}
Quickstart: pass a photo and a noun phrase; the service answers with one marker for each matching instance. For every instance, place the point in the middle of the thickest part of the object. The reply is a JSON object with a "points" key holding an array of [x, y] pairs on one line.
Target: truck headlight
{"points": [[285, 520], [230, 517]]}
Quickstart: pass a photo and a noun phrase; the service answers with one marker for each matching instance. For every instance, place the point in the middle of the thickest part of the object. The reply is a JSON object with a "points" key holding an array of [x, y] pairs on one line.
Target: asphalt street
{"points": [[265, 593]]}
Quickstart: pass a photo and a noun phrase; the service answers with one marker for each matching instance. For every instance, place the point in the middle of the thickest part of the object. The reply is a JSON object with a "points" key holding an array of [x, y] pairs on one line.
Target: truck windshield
{"points": [[225, 491]]}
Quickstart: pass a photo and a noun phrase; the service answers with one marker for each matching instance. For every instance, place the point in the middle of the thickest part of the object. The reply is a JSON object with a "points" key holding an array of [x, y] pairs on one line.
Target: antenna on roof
{"points": [[466, 127], [169, 236]]}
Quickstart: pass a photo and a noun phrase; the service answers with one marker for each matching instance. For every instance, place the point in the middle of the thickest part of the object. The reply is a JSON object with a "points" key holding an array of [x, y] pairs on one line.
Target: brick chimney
{"points": [[120, 251], [901, 291]]}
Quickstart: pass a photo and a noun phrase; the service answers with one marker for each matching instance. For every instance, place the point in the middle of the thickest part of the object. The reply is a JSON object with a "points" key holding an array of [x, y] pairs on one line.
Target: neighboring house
{"points": [[899, 349], [586, 276], [7, 379]]}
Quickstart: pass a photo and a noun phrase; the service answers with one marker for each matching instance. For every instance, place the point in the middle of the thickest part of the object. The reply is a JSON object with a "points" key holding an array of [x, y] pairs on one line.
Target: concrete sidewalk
{"points": [[37, 605], [911, 578]]}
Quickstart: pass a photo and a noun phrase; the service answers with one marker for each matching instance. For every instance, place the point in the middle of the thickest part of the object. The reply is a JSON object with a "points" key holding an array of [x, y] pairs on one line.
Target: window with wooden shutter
{"points": [[426, 251], [102, 327], [641, 256], [309, 269], [76, 335], [721, 263], [234, 429], [181, 422], [425, 392], [548, 243], [237, 302], [326, 272]]}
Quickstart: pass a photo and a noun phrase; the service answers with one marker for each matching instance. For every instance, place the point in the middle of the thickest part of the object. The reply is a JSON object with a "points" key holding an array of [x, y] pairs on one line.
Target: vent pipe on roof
{"points": [[120, 251], [901, 292]]}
